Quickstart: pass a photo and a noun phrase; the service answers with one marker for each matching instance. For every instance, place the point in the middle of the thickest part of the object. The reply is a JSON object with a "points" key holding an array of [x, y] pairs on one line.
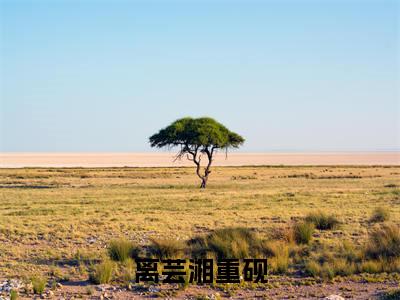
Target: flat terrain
{"points": [[49, 217], [58, 160]]}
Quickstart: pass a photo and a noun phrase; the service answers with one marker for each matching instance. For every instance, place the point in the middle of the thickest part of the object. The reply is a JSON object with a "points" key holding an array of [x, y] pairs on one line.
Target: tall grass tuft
{"points": [[380, 214], [102, 273], [343, 267], [303, 232], [384, 243], [127, 272], [348, 251], [13, 295], [322, 221], [280, 262], [228, 243], [166, 248], [38, 284], [370, 266], [121, 250], [313, 268]]}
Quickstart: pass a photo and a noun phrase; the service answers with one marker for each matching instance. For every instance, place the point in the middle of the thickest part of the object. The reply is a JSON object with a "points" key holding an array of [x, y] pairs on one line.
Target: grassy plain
{"points": [[49, 218]]}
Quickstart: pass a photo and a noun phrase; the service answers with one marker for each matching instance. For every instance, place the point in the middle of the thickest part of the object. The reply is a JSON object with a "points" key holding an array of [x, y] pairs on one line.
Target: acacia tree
{"points": [[197, 138]]}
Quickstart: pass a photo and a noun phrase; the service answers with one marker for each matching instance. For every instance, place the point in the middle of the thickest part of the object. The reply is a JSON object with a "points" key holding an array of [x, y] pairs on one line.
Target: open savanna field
{"points": [[57, 223]]}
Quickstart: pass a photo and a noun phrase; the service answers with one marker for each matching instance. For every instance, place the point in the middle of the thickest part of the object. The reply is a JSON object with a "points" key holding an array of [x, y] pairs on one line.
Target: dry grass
{"points": [[121, 250], [167, 248], [38, 284], [380, 214], [233, 242], [384, 243], [303, 232], [322, 220], [102, 273], [47, 215]]}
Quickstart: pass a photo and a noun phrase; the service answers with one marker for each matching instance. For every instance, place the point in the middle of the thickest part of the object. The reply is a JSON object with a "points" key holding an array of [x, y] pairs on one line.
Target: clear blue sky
{"points": [[287, 75]]}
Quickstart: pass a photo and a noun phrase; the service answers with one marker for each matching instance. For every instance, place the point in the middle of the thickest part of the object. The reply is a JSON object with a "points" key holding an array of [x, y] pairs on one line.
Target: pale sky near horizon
{"points": [[288, 75]]}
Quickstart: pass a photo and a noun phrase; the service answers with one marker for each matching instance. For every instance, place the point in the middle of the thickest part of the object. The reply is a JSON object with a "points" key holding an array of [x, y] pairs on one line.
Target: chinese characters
{"points": [[201, 271]]}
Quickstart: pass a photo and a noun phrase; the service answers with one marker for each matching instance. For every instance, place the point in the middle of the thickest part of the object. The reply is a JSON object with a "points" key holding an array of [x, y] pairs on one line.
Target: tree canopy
{"points": [[195, 137], [201, 132]]}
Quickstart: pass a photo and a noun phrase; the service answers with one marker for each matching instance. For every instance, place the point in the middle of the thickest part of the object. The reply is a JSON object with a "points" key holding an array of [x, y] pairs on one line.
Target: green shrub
{"points": [[322, 221], [166, 248], [380, 214], [384, 243], [303, 232], [38, 284], [102, 273], [121, 250]]}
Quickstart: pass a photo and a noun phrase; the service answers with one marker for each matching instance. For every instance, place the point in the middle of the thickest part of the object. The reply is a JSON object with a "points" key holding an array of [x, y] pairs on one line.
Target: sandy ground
{"points": [[166, 159], [347, 289]]}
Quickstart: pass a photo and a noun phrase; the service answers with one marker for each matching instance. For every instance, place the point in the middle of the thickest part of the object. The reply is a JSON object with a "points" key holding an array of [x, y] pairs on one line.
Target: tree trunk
{"points": [[197, 161], [203, 182]]}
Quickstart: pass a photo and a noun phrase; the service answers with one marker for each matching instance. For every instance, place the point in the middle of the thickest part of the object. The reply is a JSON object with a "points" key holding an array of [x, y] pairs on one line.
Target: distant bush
{"points": [[166, 248], [390, 185], [380, 214], [322, 221], [384, 243], [38, 284], [102, 273], [121, 250], [303, 232]]}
